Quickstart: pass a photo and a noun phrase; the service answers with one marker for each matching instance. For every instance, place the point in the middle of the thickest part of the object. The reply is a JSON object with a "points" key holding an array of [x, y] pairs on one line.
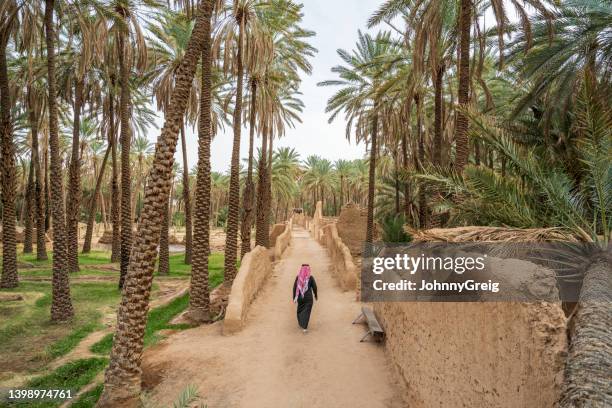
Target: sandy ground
{"points": [[271, 363]]}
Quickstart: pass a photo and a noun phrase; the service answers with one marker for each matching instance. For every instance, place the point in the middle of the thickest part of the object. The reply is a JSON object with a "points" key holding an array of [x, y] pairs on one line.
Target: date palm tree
{"points": [[240, 25], [199, 291], [61, 304], [358, 99], [9, 277], [168, 44], [131, 52], [122, 379]]}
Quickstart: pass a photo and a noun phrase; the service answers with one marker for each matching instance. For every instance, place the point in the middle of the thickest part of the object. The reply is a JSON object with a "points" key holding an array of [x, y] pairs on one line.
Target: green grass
{"points": [[71, 376], [178, 269], [92, 258], [28, 322], [158, 319], [89, 398], [41, 273], [65, 344]]}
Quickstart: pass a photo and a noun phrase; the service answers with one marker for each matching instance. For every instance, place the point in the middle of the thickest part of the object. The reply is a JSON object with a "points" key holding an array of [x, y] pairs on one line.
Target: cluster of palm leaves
{"points": [[530, 148]]}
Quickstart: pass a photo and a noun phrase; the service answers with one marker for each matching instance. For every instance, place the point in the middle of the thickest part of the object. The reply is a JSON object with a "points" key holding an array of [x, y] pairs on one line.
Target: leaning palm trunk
{"points": [[9, 245], [163, 264], [92, 207], [73, 203], [233, 213], [29, 219], [126, 179], [187, 200], [122, 379], [199, 292], [587, 372], [39, 202], [61, 305], [461, 129], [372, 182], [249, 188]]}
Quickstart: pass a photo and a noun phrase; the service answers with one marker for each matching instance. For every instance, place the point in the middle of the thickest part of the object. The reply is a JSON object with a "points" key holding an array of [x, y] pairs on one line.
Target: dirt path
{"points": [[271, 363]]}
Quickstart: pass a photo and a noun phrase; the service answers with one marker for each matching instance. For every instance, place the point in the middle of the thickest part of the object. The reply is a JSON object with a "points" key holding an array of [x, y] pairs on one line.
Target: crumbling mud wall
{"points": [[449, 355], [277, 229], [351, 226]]}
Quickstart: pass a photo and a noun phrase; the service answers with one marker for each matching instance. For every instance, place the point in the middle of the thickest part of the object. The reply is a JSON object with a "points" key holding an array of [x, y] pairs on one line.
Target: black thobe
{"points": [[305, 302]]}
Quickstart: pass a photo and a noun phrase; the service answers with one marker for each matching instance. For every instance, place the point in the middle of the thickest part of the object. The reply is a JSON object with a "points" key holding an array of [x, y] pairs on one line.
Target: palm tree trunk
{"points": [[73, 204], [123, 376], [268, 196], [438, 116], [249, 188], [39, 202], [372, 181], [61, 304], [92, 208], [233, 214], [462, 147], [46, 189], [199, 291], [29, 214], [405, 159], [7, 148], [126, 179], [589, 363], [421, 162], [186, 199], [115, 202], [261, 228], [163, 267]]}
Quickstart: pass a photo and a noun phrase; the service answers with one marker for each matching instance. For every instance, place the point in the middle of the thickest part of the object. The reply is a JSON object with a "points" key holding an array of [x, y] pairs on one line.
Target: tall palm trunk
{"points": [[61, 304], [7, 148], [122, 380], [268, 196], [39, 201], [92, 207], [126, 178], [421, 163], [262, 233], [29, 214], [405, 160], [589, 363], [438, 115], [115, 202], [249, 188], [462, 147], [73, 203], [199, 292], [233, 214], [372, 181], [187, 200]]}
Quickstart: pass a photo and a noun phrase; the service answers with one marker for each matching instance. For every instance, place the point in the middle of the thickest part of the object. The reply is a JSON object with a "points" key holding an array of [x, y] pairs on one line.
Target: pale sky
{"points": [[336, 23]]}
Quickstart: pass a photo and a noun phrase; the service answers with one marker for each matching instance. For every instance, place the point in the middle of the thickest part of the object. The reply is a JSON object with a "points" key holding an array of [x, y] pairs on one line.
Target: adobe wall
{"points": [[344, 268], [283, 240], [255, 268], [449, 355], [351, 226]]}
